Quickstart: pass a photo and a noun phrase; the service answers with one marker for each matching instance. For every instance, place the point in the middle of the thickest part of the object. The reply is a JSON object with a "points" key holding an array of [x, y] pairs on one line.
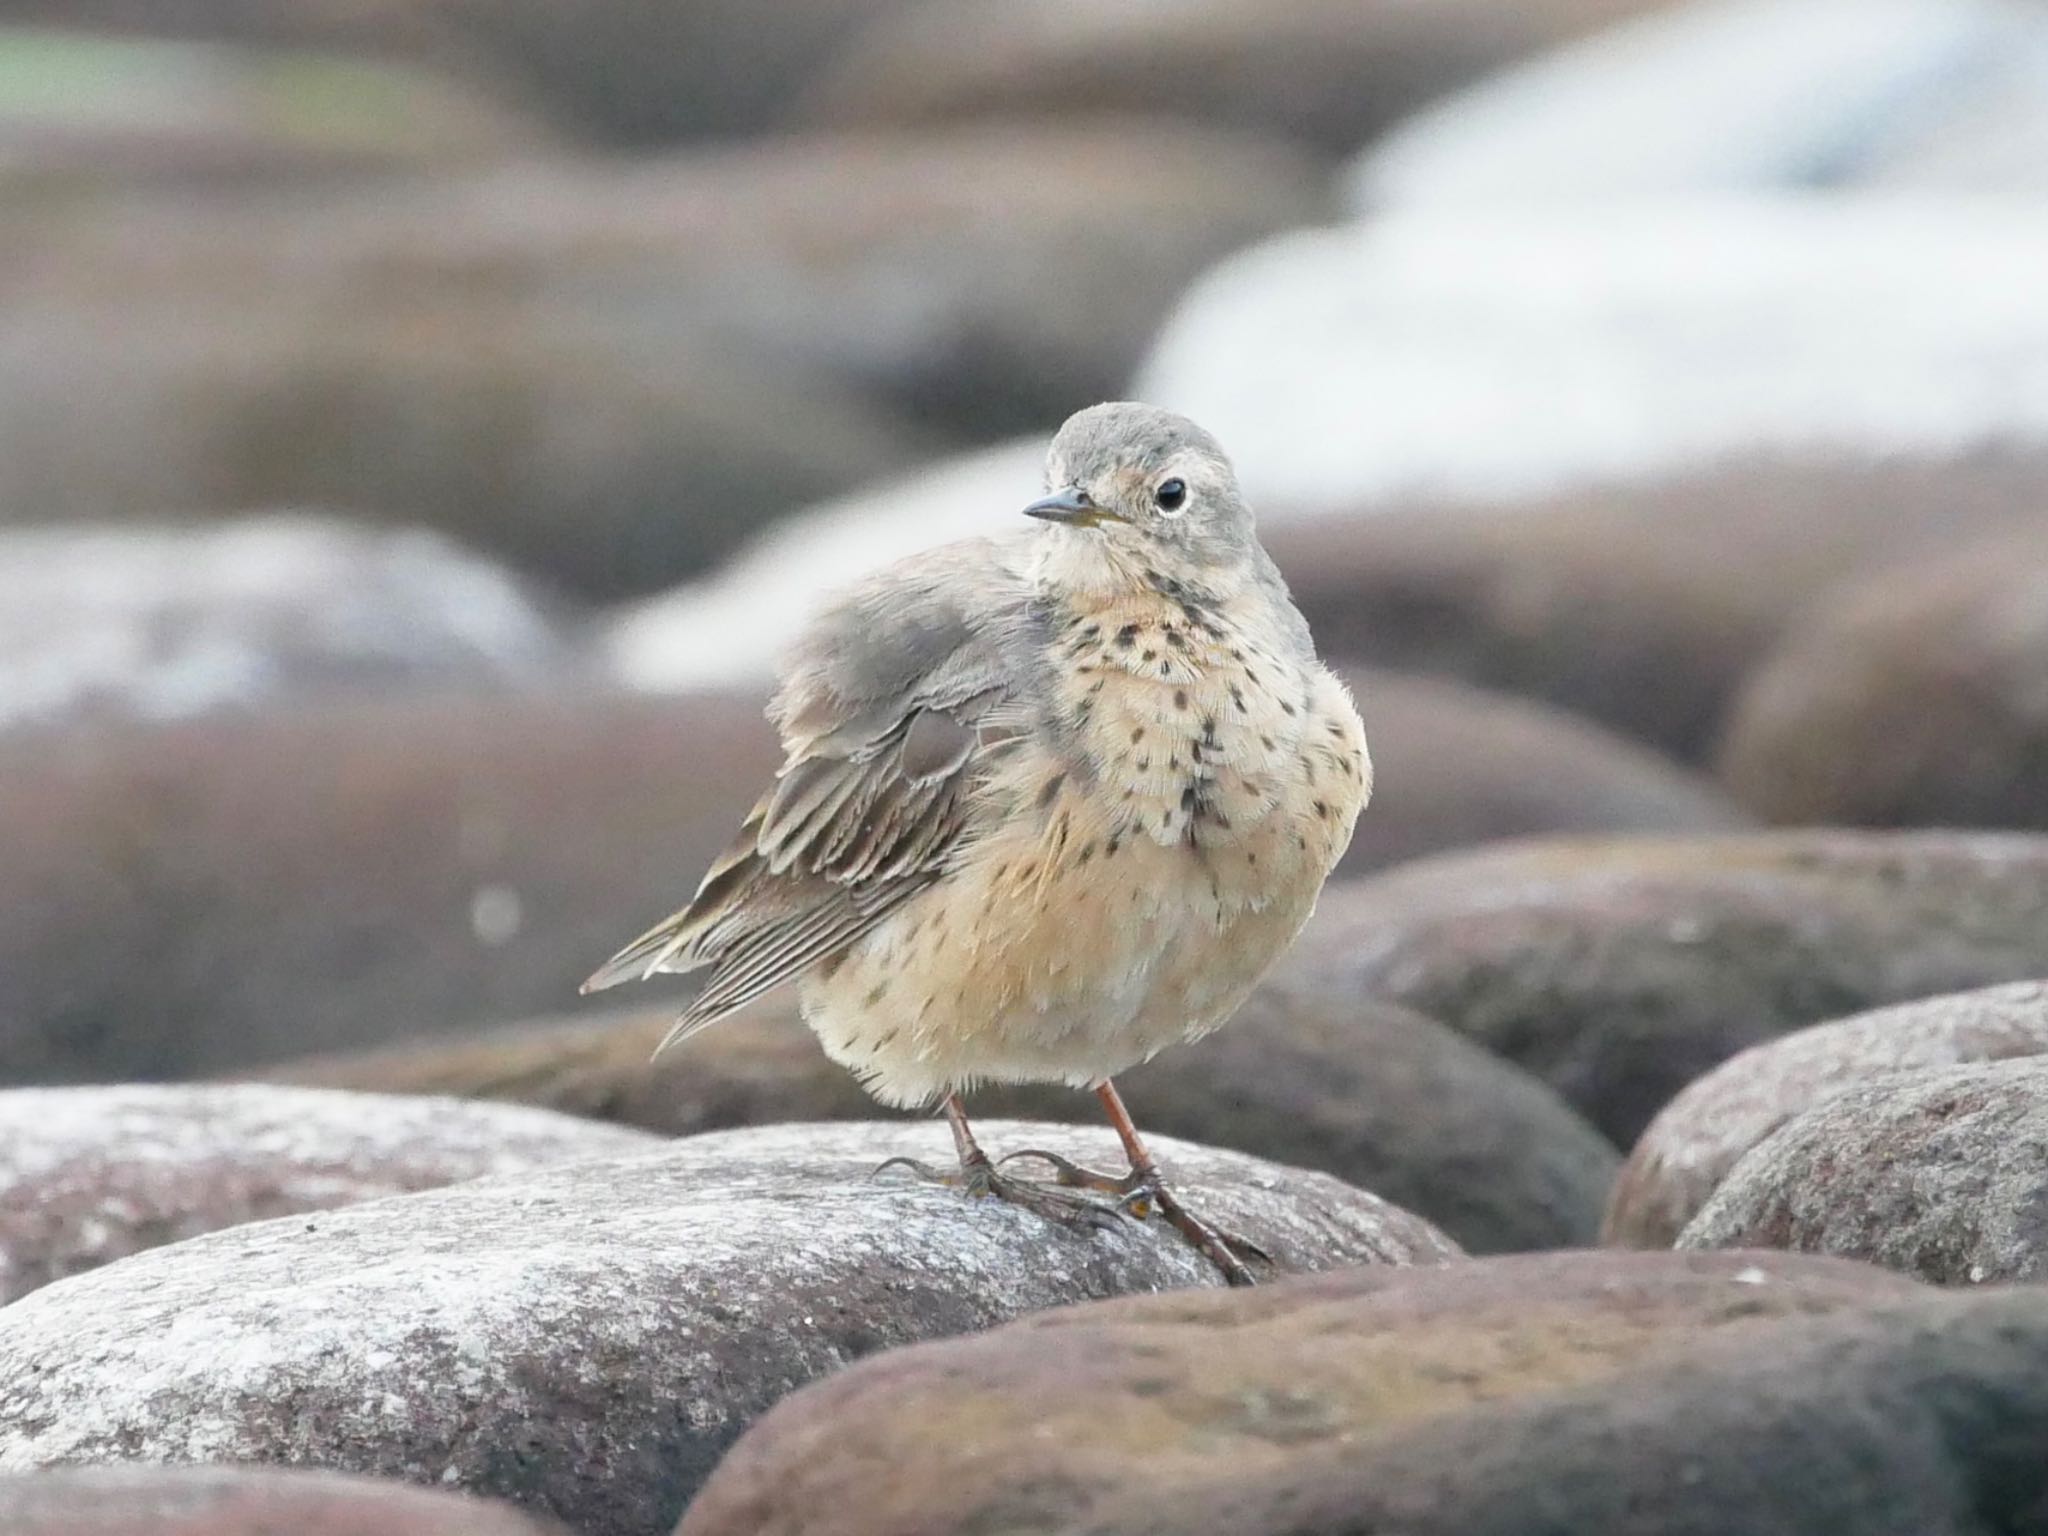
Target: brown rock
{"points": [[1457, 765], [1329, 72], [1936, 1173], [1918, 697], [587, 1340], [89, 1175], [1700, 1135], [1618, 971], [1896, 1420], [242, 1501], [984, 278], [1056, 1419], [421, 408], [209, 895], [1380, 1097], [1643, 607]]}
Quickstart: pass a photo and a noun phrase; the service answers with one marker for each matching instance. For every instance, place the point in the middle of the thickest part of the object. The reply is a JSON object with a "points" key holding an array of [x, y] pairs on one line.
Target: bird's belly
{"points": [[1064, 962]]}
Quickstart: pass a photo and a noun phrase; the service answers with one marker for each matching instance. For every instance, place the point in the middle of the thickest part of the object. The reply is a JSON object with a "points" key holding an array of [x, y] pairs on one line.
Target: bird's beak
{"points": [[1072, 506]]}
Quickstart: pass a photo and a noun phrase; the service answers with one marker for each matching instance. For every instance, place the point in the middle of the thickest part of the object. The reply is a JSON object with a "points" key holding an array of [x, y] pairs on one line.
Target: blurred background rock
{"points": [[422, 422]]}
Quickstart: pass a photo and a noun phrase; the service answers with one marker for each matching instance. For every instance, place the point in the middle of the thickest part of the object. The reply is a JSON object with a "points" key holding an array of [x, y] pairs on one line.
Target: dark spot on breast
{"points": [[1180, 698], [1091, 631], [1288, 709], [1137, 734], [1148, 656], [1087, 852], [1187, 798], [1237, 697], [1266, 742], [1109, 849], [1144, 763], [1127, 636], [876, 993], [1336, 730], [1251, 677], [1173, 763], [1323, 809]]}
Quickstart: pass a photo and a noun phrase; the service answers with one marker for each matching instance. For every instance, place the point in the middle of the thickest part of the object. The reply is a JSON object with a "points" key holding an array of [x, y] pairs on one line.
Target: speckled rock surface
{"points": [[1619, 970], [1904, 1419], [89, 1175], [1701, 1134], [1941, 1174], [587, 1340], [243, 1501], [1379, 1096], [1092, 1407], [1915, 698]]}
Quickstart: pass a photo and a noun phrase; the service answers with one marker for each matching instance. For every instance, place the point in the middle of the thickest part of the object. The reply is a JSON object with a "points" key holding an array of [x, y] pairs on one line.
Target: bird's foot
{"points": [[1056, 1202], [1140, 1193]]}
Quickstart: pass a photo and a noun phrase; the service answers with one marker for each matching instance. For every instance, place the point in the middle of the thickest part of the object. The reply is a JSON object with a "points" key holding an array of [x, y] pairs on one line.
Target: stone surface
{"points": [[1911, 698], [1056, 1419], [516, 426], [1726, 96], [1620, 970], [242, 1501], [198, 897], [981, 280], [1328, 72], [1504, 354], [588, 1340], [164, 622], [1694, 1141], [1644, 607], [89, 1175], [1915, 1417], [1940, 1173], [1380, 1097]]}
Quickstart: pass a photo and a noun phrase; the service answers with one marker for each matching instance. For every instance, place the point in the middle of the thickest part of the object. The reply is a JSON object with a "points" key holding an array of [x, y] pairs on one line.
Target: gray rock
{"points": [[1689, 1148], [1911, 698], [1620, 970], [242, 1501], [88, 1175], [587, 1340], [1938, 1173], [1376, 1095], [162, 622]]}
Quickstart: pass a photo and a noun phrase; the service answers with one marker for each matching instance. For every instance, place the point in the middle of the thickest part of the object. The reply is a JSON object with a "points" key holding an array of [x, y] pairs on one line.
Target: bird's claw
{"points": [[1140, 1194], [981, 1180]]}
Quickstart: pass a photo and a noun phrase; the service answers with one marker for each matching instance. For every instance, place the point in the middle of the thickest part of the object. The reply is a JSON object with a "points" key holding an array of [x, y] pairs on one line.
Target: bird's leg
{"points": [[1142, 1191], [980, 1177]]}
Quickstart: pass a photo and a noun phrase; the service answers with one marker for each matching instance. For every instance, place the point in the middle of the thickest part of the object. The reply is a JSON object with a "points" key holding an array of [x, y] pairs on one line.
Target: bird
{"points": [[1052, 800]]}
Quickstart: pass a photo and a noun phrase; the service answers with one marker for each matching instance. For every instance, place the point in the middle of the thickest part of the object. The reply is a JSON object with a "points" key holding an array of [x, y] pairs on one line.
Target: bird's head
{"points": [[1131, 484]]}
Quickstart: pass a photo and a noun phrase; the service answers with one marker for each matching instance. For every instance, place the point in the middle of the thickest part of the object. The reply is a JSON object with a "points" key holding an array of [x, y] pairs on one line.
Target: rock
{"points": [[980, 280], [1899, 1420], [1502, 354], [1456, 765], [89, 1175], [420, 406], [1379, 1097], [207, 895], [1258, 1382], [81, 114], [1728, 96], [587, 1340], [242, 1501], [1618, 971], [1711, 1125], [1643, 607], [1858, 717], [164, 622], [1330, 73], [1935, 1173]]}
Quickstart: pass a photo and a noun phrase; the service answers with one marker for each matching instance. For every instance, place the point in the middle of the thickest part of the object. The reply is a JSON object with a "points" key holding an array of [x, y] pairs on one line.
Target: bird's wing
{"points": [[895, 701]]}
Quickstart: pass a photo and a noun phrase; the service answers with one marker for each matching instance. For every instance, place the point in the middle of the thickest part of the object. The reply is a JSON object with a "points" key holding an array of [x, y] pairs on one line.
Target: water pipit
{"points": [[1052, 801]]}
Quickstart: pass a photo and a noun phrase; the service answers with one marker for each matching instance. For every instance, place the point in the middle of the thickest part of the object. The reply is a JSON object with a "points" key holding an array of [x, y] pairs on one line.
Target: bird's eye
{"points": [[1172, 495]]}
